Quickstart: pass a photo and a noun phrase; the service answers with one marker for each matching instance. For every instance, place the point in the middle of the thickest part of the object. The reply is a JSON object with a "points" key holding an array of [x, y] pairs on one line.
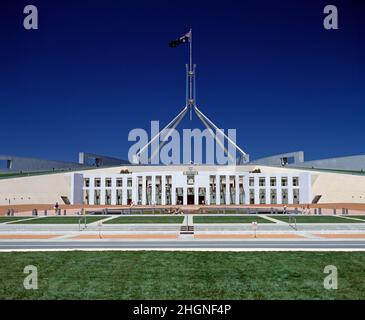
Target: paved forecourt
{"points": [[167, 228]]}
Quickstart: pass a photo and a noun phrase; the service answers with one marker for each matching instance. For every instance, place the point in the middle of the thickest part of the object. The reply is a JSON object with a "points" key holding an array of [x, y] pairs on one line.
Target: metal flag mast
{"points": [[191, 105]]}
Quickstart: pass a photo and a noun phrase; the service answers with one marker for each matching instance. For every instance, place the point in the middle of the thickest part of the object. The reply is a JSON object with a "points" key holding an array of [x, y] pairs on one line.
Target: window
{"points": [[273, 182], [87, 182], [119, 197], [284, 182], [284, 196], [252, 196], [97, 182], [273, 196], [190, 179], [295, 181], [251, 182], [86, 196], [262, 182], [296, 196], [97, 197], [129, 182], [108, 182], [262, 195], [119, 182], [129, 196], [108, 196]]}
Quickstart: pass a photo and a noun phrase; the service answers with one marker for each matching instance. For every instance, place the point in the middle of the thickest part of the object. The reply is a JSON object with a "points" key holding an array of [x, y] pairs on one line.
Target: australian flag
{"points": [[185, 38]]}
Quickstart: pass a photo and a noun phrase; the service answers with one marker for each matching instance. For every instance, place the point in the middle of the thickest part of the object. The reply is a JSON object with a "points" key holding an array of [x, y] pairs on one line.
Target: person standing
{"points": [[56, 206]]}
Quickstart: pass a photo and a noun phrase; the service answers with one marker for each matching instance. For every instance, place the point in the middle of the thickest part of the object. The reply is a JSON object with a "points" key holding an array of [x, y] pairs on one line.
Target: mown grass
{"points": [[60, 220], [357, 217], [145, 219], [230, 219], [316, 219], [182, 275], [9, 219]]}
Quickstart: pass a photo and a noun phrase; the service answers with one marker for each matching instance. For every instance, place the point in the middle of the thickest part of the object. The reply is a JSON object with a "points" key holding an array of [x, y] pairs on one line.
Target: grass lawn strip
{"points": [[316, 219], [10, 219], [153, 219], [182, 275], [356, 217], [230, 219], [61, 220]]}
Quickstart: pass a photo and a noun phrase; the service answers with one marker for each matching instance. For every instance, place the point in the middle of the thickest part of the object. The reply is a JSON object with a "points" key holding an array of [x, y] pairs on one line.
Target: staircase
{"points": [[187, 230]]}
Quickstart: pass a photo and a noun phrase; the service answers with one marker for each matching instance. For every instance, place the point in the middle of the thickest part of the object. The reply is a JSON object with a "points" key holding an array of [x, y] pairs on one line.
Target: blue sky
{"points": [[94, 70]]}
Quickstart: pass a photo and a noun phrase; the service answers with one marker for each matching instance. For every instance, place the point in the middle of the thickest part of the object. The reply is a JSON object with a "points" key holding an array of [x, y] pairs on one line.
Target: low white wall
{"points": [[40, 189]]}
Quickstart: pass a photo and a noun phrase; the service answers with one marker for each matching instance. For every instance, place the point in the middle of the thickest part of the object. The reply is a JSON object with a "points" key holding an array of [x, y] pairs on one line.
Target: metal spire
{"points": [[191, 105]]}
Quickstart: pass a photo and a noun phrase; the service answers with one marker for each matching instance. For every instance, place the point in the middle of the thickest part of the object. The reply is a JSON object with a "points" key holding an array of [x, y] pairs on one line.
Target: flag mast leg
{"points": [[191, 73]]}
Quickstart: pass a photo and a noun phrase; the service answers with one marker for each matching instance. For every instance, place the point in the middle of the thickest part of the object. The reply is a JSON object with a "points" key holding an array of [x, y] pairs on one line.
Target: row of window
{"points": [[179, 192], [273, 182], [108, 182], [190, 181], [274, 196]]}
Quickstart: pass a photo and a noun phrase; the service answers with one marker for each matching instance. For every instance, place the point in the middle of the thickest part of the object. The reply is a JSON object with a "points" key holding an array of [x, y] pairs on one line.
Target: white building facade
{"points": [[191, 186]]}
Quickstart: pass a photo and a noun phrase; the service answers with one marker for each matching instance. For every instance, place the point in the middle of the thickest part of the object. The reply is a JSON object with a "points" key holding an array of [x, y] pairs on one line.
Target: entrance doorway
{"points": [[201, 199], [179, 196], [191, 197]]}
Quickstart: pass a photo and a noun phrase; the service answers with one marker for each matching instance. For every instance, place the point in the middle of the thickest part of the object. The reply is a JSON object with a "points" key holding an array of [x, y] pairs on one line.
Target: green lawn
{"points": [[182, 275], [8, 219], [357, 217], [144, 219], [316, 219], [60, 220], [230, 219]]}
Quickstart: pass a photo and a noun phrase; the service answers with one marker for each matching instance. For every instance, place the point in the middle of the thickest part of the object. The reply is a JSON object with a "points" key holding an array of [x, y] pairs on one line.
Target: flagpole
{"points": [[191, 73]]}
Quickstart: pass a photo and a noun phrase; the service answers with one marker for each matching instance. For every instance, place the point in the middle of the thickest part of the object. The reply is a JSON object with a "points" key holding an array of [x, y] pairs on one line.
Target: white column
{"points": [[163, 190], [102, 190], [124, 190], [92, 191], [185, 196], [256, 183], [218, 190], [267, 189], [237, 189], [207, 192], [196, 195], [228, 198], [290, 189], [153, 198], [279, 193], [144, 190], [114, 191], [173, 193], [246, 188]]}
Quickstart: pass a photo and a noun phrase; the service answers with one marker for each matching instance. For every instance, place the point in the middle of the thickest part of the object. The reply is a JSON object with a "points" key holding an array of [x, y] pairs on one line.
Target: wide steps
{"points": [[187, 230]]}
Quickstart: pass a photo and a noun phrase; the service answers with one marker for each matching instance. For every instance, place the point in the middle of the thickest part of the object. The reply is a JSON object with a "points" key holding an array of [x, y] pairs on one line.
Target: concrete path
{"points": [[247, 245]]}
